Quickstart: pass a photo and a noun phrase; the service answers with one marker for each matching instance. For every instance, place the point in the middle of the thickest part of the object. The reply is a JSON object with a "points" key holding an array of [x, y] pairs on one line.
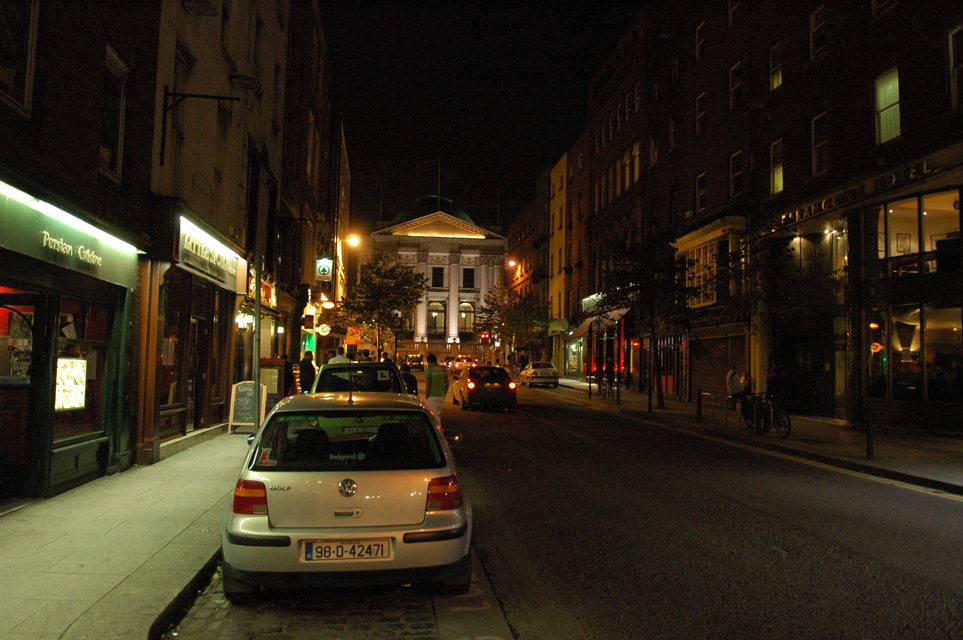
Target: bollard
{"points": [[869, 434], [699, 407]]}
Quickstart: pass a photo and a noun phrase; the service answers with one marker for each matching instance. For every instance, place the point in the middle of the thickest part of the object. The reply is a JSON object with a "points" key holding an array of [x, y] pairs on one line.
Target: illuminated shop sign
{"points": [[71, 384], [324, 269], [205, 255], [43, 231]]}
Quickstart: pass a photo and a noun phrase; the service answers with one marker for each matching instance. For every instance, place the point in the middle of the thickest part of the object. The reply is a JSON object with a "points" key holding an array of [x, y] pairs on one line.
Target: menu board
{"points": [[71, 384]]}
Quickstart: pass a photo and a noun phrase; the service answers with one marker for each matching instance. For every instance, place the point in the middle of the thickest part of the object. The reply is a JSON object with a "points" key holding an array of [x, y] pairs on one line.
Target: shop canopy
{"points": [[599, 322]]}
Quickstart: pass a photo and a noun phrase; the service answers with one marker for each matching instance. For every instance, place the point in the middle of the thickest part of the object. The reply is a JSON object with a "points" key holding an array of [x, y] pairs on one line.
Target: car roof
{"points": [[354, 366], [339, 401], [542, 365]]}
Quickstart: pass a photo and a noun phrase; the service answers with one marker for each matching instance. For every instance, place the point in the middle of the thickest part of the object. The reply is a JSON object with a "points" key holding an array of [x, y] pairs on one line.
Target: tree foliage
{"points": [[385, 287], [506, 314]]}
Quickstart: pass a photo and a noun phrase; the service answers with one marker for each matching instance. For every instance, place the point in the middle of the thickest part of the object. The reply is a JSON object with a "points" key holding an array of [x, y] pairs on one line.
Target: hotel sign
{"points": [[41, 230]]}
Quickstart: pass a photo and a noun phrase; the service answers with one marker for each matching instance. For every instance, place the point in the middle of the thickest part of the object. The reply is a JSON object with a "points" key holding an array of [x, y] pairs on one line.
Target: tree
{"points": [[646, 275], [513, 317], [385, 287]]}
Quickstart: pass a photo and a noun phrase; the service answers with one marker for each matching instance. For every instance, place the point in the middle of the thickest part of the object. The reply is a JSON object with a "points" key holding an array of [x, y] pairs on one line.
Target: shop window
{"points": [[436, 325], [171, 370], [941, 231], [700, 275], [877, 346], [943, 341], [466, 318], [80, 384], [905, 341]]}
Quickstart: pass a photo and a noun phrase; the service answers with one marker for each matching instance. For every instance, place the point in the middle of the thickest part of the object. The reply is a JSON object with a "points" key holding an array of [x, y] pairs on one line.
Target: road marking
{"points": [[937, 493]]}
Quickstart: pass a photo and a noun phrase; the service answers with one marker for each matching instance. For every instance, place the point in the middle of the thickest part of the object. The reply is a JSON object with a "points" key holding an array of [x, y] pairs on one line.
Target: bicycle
{"points": [[764, 414]]}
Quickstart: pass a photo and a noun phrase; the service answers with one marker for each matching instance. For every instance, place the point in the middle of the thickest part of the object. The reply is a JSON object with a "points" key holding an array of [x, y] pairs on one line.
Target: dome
{"points": [[426, 205]]}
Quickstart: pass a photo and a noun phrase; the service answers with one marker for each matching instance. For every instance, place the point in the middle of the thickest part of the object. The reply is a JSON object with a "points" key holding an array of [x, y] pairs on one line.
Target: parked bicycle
{"points": [[764, 414]]}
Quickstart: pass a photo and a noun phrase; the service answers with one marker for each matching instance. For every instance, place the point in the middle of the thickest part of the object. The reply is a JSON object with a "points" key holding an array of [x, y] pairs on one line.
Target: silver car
{"points": [[539, 373], [342, 493]]}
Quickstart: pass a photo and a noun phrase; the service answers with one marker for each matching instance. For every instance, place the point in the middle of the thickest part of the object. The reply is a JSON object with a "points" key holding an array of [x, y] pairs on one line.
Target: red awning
{"points": [[600, 322]]}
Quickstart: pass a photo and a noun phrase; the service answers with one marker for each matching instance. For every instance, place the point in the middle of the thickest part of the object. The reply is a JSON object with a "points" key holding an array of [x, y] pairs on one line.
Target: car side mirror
{"points": [[250, 440], [452, 436]]}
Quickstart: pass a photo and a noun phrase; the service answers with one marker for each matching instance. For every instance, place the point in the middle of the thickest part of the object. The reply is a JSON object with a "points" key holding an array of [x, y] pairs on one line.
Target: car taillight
{"points": [[471, 385], [511, 385], [444, 494], [250, 498]]}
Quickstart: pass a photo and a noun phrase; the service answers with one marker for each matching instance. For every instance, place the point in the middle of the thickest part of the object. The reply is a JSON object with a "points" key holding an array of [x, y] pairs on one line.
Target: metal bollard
{"points": [[869, 434], [699, 407]]}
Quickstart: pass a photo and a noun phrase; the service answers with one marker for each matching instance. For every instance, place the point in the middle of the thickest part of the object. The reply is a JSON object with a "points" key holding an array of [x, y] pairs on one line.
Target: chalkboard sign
{"points": [[242, 406]]}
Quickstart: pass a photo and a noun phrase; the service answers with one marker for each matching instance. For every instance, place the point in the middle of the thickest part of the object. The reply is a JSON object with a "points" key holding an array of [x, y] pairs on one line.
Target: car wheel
{"points": [[464, 404], [555, 385], [235, 591]]}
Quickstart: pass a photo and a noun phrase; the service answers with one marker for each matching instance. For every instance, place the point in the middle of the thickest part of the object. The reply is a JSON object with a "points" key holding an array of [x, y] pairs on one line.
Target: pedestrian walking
{"points": [[436, 385], [340, 357], [411, 382], [306, 372]]}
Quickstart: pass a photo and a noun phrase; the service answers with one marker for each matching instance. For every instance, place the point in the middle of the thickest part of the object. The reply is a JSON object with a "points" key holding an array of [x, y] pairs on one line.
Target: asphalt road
{"points": [[591, 525]]}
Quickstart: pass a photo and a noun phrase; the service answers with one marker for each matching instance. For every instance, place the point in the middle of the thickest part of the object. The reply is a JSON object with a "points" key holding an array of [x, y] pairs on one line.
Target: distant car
{"points": [[539, 373], [447, 362], [358, 377], [338, 493], [416, 361], [485, 386], [461, 363]]}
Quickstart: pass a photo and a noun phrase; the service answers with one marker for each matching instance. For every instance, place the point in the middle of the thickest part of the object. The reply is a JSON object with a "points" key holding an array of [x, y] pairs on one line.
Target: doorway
{"points": [[197, 387]]}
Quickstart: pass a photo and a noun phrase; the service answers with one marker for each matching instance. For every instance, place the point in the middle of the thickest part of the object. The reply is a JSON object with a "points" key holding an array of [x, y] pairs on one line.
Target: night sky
{"points": [[498, 91]]}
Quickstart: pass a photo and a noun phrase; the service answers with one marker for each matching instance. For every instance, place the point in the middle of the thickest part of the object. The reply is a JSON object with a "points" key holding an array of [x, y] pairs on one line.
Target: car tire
{"points": [[235, 591], [464, 405], [555, 385]]}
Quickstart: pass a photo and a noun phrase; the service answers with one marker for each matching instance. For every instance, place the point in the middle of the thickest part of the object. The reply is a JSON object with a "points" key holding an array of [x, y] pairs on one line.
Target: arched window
{"points": [[436, 319], [466, 318]]}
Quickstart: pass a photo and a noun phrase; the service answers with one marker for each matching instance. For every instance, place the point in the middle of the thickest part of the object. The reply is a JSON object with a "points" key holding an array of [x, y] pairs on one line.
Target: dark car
{"points": [[416, 361], [485, 386]]}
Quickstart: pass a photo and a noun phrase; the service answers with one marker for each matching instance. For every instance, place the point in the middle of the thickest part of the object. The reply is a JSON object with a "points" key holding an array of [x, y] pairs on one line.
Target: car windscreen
{"points": [[376, 379], [363, 440]]}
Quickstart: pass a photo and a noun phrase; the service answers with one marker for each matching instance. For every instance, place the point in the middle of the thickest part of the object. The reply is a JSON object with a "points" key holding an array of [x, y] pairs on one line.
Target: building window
{"points": [[956, 66], [733, 5], [735, 85], [618, 118], [636, 169], [435, 325], [775, 167], [817, 31], [653, 152], [112, 120], [638, 96], [700, 40], [19, 27], [628, 106], [468, 278], [466, 318], [700, 113], [673, 138], [879, 6], [887, 106], [735, 174], [605, 133], [775, 66], [700, 275], [700, 194], [438, 277], [627, 168], [820, 144]]}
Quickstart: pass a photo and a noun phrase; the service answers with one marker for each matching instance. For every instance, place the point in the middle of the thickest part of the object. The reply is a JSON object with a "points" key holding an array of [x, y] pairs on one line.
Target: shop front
{"points": [[189, 327], [65, 292]]}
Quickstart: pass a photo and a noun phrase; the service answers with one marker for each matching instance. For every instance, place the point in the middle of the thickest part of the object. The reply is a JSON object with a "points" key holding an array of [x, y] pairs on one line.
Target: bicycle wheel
{"points": [[782, 423]]}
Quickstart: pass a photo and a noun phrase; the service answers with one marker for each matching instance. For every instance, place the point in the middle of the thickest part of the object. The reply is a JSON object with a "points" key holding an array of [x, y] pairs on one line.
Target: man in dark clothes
{"points": [[307, 372]]}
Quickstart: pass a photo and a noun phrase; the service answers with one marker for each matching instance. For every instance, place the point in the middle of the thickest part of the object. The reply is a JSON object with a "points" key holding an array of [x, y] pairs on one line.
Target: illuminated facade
{"points": [[462, 262]]}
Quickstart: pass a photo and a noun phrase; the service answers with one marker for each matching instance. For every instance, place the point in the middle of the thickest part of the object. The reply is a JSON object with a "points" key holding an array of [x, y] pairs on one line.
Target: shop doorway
{"points": [[21, 339], [197, 373]]}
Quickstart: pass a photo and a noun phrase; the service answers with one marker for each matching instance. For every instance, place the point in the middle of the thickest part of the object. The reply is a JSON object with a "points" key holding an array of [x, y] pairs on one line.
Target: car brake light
{"points": [[250, 498], [471, 385], [511, 385], [444, 494]]}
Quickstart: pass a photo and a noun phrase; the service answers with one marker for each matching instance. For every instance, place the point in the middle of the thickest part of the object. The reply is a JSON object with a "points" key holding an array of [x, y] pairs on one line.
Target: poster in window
{"points": [[71, 384]]}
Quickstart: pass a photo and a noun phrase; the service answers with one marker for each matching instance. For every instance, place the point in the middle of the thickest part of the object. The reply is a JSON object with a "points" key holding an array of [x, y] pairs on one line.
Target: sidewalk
{"points": [[111, 558], [928, 461]]}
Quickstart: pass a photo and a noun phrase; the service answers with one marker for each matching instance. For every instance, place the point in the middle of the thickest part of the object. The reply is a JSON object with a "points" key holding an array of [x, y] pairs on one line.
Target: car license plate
{"points": [[326, 551]]}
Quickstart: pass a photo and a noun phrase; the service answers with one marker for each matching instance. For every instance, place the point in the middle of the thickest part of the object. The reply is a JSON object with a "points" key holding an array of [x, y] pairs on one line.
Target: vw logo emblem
{"points": [[348, 487]]}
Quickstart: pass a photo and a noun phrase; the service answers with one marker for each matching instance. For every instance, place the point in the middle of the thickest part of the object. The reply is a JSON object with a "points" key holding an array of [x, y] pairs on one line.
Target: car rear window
{"points": [[488, 373], [349, 441], [379, 380], [542, 365]]}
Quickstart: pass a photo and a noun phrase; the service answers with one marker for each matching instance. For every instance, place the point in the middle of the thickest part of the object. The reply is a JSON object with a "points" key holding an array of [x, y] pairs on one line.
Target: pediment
{"points": [[438, 225]]}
